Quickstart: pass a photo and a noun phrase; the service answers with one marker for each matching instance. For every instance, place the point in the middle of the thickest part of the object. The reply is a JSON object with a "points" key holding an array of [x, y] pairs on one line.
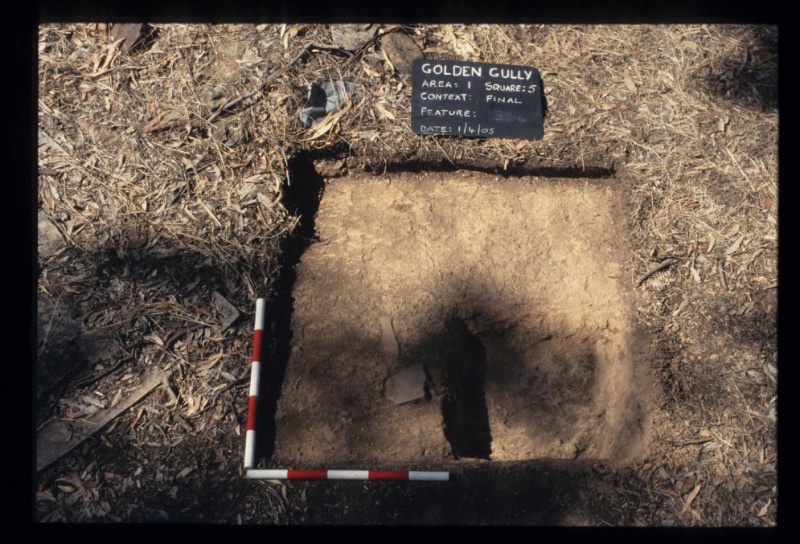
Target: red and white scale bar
{"points": [[283, 474], [413, 475], [255, 376]]}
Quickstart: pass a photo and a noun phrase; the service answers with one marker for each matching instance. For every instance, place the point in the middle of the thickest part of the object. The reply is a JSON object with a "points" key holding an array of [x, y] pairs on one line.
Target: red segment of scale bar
{"points": [[323, 475]]}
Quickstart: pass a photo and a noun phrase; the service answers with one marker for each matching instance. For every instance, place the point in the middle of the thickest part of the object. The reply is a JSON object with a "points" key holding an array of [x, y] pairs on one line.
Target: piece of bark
{"points": [[401, 50]]}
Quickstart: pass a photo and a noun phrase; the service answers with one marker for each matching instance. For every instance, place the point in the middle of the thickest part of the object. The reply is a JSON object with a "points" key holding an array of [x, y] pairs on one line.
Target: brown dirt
{"points": [[567, 382], [536, 269]]}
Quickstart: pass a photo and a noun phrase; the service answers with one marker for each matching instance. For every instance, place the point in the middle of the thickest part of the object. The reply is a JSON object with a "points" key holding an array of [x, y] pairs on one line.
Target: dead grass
{"points": [[159, 206]]}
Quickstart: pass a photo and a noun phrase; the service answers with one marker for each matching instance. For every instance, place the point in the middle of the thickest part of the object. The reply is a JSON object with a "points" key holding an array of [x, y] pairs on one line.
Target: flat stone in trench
{"points": [[407, 385]]}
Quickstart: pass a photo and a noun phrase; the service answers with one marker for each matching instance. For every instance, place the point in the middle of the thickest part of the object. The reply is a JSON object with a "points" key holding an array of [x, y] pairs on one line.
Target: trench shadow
{"points": [[464, 411], [512, 171], [301, 198]]}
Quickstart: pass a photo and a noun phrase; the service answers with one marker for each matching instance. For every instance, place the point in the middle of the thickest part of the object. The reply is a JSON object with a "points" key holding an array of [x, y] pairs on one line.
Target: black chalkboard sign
{"points": [[476, 99]]}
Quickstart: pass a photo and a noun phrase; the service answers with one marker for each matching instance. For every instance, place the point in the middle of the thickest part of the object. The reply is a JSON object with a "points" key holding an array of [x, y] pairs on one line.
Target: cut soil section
{"points": [[511, 294]]}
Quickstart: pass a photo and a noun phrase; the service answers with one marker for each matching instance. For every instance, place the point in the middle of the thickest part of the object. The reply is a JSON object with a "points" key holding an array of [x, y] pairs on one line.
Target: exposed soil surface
{"points": [[511, 294]]}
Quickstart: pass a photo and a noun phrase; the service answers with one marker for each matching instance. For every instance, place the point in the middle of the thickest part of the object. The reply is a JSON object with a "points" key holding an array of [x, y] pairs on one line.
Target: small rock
{"points": [[406, 385], [229, 312], [401, 50], [351, 37]]}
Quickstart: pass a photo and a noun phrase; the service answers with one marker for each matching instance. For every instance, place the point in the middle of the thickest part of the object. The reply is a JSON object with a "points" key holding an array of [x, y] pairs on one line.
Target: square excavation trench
{"points": [[503, 296]]}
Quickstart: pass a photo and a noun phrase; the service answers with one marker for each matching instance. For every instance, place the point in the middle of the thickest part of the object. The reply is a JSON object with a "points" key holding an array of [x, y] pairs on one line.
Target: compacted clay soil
{"points": [[448, 316]]}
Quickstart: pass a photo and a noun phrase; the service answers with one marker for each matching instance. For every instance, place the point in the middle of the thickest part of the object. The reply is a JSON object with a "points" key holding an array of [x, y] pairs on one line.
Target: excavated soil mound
{"points": [[446, 316]]}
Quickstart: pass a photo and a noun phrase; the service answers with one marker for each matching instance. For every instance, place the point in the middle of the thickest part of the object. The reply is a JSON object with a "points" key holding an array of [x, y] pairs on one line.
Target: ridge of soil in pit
{"points": [[507, 292]]}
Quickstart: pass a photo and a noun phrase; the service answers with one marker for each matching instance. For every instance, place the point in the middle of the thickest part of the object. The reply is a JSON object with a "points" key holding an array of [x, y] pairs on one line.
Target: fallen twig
{"points": [[688, 501], [666, 264], [694, 442], [240, 381]]}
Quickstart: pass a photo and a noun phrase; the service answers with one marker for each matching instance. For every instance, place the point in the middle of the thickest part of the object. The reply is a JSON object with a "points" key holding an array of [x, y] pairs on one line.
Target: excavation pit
{"points": [[511, 293]]}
